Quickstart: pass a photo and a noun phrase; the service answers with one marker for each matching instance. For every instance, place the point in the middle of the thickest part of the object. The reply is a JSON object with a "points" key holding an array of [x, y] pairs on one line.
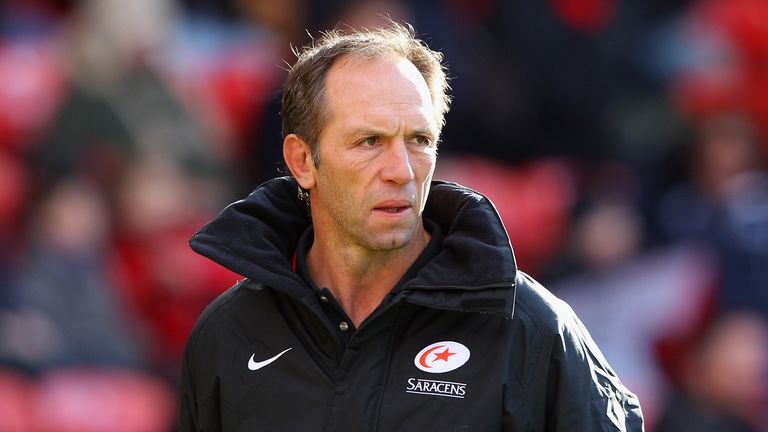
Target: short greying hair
{"points": [[303, 106]]}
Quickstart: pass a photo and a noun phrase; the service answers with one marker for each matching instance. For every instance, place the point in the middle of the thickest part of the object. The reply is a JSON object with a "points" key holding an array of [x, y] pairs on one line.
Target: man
{"points": [[385, 302]]}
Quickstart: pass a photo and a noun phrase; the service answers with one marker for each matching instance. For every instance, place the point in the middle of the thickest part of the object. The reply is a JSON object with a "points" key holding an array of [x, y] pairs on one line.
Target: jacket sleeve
{"points": [[569, 384], [583, 391]]}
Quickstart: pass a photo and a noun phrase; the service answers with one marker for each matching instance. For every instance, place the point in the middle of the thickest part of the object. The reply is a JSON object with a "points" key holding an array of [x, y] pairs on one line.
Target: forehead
{"points": [[369, 88]]}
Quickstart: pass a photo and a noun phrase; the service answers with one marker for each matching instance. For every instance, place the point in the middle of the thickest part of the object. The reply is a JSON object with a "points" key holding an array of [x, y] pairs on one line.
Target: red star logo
{"points": [[443, 355]]}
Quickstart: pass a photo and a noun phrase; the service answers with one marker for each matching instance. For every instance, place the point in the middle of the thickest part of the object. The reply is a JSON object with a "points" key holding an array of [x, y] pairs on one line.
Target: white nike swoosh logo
{"points": [[254, 365]]}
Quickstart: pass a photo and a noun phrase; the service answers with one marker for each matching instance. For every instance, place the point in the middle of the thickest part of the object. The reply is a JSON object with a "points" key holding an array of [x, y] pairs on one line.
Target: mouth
{"points": [[393, 207], [392, 210]]}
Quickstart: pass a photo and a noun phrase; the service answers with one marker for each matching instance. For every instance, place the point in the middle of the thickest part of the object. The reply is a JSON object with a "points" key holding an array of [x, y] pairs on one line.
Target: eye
{"points": [[369, 141], [422, 140]]}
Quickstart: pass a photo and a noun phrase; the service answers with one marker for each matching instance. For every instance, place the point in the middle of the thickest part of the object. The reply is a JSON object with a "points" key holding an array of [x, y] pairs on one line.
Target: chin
{"points": [[389, 243]]}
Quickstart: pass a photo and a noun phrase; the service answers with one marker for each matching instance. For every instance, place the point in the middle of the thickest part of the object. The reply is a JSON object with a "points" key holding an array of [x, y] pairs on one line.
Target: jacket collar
{"points": [[475, 271]]}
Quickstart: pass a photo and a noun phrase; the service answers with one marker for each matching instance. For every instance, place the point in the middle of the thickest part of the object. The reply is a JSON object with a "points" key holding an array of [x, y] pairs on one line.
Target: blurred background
{"points": [[624, 143]]}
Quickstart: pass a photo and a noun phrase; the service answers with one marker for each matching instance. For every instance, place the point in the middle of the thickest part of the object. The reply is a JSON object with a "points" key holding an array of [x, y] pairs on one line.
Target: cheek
{"points": [[343, 190], [424, 179], [423, 164]]}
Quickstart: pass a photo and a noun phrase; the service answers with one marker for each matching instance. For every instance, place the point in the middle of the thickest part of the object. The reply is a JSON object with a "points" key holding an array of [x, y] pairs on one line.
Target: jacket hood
{"points": [[475, 270]]}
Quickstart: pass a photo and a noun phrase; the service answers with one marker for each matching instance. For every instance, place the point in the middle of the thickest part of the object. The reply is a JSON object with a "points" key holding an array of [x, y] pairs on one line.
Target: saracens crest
{"points": [[441, 357]]}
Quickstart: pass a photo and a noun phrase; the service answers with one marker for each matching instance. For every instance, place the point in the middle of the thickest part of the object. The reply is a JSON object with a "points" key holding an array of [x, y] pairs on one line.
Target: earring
{"points": [[303, 194]]}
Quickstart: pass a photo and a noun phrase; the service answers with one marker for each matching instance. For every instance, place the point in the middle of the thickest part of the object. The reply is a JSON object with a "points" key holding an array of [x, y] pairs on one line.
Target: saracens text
{"points": [[436, 388]]}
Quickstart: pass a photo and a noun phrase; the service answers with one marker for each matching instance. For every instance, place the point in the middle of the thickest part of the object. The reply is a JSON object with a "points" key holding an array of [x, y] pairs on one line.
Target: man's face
{"points": [[377, 154]]}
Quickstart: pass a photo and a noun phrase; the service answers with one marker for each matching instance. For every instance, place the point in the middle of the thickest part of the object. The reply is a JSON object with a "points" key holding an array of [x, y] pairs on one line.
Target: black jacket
{"points": [[468, 344]]}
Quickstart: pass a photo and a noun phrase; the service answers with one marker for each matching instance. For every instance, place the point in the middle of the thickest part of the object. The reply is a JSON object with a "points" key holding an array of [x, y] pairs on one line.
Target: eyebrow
{"points": [[423, 131], [365, 131], [369, 131]]}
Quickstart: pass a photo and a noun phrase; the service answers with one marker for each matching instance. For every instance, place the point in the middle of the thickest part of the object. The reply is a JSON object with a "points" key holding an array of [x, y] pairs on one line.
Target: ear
{"points": [[298, 158]]}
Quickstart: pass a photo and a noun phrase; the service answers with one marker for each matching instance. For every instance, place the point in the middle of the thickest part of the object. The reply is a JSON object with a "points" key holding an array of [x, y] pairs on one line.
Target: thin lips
{"points": [[393, 204]]}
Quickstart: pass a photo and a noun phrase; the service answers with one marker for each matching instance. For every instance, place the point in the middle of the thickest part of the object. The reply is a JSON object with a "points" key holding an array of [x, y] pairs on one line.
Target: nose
{"points": [[396, 163]]}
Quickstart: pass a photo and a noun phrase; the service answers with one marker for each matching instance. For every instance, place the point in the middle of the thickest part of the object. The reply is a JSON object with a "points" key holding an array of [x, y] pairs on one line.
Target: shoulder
{"points": [[537, 306], [554, 324], [224, 310], [560, 329]]}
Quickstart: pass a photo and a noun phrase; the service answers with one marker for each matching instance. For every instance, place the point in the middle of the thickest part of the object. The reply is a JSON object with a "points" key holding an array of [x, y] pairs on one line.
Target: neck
{"points": [[360, 278]]}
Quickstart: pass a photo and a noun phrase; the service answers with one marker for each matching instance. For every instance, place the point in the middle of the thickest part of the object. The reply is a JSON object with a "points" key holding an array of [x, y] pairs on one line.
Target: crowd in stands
{"points": [[624, 143]]}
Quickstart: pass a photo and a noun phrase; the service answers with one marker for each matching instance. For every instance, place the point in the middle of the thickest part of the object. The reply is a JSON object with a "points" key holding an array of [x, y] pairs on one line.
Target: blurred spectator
{"points": [[725, 380], [723, 148], [119, 106], [604, 228], [723, 204], [68, 331], [66, 307]]}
